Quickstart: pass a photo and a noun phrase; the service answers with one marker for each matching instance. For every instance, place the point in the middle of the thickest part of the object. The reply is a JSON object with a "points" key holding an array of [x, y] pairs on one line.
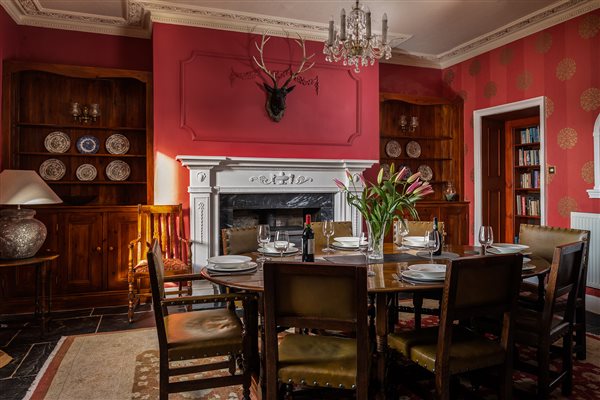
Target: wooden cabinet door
{"points": [[456, 222], [121, 229], [427, 212], [81, 250]]}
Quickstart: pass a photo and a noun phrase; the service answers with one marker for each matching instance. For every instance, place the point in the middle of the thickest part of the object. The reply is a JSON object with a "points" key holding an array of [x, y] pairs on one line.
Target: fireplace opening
{"points": [[281, 211]]}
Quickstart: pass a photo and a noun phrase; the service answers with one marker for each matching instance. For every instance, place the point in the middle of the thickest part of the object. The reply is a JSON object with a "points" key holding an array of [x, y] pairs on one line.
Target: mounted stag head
{"points": [[276, 95]]}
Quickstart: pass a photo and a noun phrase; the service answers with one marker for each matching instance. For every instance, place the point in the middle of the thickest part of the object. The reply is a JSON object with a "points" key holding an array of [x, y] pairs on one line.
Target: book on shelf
{"points": [[530, 135], [528, 157], [530, 180], [527, 206]]}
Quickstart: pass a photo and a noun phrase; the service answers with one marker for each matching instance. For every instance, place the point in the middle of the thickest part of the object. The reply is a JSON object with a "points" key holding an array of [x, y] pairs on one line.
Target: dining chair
{"points": [[543, 329], [474, 287], [316, 297], [341, 228], [418, 228], [201, 335], [165, 224], [239, 240], [542, 240]]}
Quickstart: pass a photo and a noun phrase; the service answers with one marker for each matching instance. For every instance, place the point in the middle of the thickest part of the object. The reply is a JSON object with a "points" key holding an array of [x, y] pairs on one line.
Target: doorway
{"points": [[509, 167]]}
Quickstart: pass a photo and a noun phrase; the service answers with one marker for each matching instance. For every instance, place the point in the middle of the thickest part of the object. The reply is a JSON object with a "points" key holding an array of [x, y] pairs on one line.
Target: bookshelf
{"points": [[526, 173]]}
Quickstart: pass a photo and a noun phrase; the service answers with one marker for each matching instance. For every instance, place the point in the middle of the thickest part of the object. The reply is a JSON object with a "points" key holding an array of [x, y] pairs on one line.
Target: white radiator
{"points": [[590, 222]]}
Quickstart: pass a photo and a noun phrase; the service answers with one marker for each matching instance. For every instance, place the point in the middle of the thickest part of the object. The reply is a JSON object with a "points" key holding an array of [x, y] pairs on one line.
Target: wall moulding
{"points": [[204, 73]]}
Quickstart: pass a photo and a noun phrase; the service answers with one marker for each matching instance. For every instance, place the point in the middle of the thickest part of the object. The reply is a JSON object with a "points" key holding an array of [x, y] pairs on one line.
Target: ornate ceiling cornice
{"points": [[141, 13]]}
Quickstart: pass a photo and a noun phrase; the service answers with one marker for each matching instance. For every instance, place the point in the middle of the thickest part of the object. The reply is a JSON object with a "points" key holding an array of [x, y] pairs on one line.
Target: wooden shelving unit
{"points": [[440, 137]]}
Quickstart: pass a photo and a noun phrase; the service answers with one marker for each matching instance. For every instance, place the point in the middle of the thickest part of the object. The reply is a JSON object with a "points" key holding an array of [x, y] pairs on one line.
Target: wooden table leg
{"points": [[381, 325]]}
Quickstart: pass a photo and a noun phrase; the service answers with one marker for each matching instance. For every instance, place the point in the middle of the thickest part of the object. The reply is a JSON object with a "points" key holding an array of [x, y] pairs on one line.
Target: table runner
{"points": [[360, 259]]}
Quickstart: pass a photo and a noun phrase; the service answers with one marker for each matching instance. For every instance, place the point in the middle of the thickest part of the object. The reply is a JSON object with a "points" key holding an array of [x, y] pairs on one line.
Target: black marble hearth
{"points": [[282, 211]]}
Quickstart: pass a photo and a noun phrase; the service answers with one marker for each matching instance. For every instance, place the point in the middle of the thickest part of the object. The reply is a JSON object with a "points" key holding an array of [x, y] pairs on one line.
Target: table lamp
{"points": [[21, 235]]}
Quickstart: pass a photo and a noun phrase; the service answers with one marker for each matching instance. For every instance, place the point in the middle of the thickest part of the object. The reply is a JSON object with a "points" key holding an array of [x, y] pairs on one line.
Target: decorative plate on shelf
{"points": [[426, 172], [88, 144], [117, 144], [118, 170], [57, 142], [86, 172], [408, 170], [413, 149], [393, 149], [52, 169]]}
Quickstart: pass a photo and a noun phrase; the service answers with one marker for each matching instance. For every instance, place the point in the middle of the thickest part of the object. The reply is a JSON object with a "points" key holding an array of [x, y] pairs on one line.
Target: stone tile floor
{"points": [[21, 339], [29, 351]]}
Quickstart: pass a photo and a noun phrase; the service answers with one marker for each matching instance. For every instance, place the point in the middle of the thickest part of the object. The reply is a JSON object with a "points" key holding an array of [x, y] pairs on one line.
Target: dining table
{"points": [[385, 281]]}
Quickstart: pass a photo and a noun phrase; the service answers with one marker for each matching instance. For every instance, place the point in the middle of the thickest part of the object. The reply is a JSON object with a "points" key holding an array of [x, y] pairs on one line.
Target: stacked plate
{"points": [[526, 265], [345, 243], [270, 250], [416, 242], [231, 264], [507, 248], [425, 272]]}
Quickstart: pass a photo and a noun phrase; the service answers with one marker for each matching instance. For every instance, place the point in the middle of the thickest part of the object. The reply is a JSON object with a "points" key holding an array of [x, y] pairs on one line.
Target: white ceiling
{"points": [[427, 32]]}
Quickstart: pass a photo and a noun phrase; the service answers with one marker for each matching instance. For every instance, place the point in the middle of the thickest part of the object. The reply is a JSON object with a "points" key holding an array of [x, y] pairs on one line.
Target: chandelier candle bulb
{"points": [[330, 40], [368, 23], [343, 25], [384, 29]]}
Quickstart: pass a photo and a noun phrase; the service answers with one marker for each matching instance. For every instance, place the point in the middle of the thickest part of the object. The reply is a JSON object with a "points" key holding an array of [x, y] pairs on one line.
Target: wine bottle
{"points": [[308, 242], [438, 250]]}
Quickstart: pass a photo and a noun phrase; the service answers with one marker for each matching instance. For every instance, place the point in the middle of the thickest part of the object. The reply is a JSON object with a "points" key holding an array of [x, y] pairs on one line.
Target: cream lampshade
{"points": [[21, 235]]}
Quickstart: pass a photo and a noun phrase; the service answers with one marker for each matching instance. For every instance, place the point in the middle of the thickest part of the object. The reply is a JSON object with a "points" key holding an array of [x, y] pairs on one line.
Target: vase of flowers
{"points": [[385, 201]]}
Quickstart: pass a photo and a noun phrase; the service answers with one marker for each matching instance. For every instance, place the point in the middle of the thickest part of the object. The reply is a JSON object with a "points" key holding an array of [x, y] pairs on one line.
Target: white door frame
{"points": [[477, 117]]}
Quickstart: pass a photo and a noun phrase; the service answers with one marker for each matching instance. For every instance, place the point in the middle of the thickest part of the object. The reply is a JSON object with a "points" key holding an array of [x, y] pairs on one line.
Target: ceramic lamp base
{"points": [[21, 235]]}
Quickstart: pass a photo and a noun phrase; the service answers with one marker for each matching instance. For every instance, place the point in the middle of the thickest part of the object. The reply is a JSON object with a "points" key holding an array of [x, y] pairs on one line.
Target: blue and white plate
{"points": [[88, 144]]}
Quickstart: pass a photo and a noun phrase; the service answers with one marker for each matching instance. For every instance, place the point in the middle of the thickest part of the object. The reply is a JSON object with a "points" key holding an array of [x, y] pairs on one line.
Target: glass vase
{"points": [[376, 239]]}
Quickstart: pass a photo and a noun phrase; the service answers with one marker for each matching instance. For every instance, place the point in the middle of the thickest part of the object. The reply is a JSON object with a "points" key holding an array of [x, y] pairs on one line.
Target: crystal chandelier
{"points": [[354, 44]]}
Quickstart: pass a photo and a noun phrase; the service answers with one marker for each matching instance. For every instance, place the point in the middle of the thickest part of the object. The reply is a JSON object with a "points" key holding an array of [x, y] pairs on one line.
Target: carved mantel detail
{"points": [[282, 178]]}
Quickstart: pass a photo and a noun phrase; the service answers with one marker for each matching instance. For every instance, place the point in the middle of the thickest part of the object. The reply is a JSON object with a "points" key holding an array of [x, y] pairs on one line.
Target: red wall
{"points": [[200, 110], [415, 81], [562, 63]]}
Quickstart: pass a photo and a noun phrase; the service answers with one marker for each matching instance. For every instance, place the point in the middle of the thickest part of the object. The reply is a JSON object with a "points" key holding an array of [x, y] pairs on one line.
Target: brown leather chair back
{"points": [[239, 240], [322, 296], [163, 223], [478, 287], [341, 228], [542, 240]]}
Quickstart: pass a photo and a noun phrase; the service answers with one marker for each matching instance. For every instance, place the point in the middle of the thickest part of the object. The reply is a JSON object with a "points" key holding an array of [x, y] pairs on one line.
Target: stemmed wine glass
{"points": [[432, 242], [263, 236], [486, 237], [365, 246], [282, 241], [328, 231], [402, 230]]}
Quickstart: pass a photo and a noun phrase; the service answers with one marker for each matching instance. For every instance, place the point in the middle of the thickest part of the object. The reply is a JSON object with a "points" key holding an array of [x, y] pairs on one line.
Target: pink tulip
{"points": [[362, 179], [401, 174], [339, 184], [413, 177], [413, 186], [349, 175]]}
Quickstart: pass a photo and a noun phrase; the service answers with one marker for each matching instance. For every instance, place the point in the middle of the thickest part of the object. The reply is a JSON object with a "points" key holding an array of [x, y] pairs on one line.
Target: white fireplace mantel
{"points": [[212, 175]]}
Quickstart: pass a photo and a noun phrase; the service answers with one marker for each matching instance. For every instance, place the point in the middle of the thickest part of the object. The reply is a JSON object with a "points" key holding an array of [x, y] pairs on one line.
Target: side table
{"points": [[43, 282]]}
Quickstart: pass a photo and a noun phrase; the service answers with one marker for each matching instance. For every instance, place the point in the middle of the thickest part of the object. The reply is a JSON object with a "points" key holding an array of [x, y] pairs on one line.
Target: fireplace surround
{"points": [[210, 177]]}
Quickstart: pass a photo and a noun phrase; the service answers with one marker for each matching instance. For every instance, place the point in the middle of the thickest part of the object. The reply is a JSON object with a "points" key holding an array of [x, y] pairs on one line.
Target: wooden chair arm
{"points": [[216, 298]]}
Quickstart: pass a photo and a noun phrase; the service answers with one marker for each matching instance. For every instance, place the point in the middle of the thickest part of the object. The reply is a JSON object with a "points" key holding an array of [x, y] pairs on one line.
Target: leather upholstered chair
{"points": [[542, 240], [341, 228], [239, 240], [474, 287], [319, 296], [542, 329], [201, 334], [418, 228], [165, 224]]}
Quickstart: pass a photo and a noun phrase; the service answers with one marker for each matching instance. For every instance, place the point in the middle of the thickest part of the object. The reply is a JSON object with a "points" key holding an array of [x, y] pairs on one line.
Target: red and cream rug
{"points": [[124, 365]]}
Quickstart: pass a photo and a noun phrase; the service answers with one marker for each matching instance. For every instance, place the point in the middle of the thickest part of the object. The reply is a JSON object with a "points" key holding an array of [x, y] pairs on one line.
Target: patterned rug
{"points": [[124, 365]]}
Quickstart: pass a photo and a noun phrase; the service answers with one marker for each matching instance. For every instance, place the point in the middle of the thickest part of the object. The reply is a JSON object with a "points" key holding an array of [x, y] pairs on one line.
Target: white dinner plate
{"points": [[271, 246], [432, 270], [230, 262], [418, 276], [526, 260], [272, 252], [347, 240], [240, 268], [507, 248], [415, 240], [528, 267]]}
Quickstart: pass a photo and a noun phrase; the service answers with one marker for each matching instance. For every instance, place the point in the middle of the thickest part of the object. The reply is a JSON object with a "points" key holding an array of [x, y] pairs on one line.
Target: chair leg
{"points": [[543, 383], [442, 387], [506, 382], [163, 380], [130, 296], [418, 305], [580, 331], [567, 364]]}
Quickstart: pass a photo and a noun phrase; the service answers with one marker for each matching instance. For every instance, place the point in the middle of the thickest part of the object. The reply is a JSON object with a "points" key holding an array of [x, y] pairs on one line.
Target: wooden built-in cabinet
{"points": [[92, 228], [439, 138]]}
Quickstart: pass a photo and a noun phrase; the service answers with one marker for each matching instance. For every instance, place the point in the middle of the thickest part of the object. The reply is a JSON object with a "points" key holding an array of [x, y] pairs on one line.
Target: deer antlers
{"points": [[293, 75]]}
